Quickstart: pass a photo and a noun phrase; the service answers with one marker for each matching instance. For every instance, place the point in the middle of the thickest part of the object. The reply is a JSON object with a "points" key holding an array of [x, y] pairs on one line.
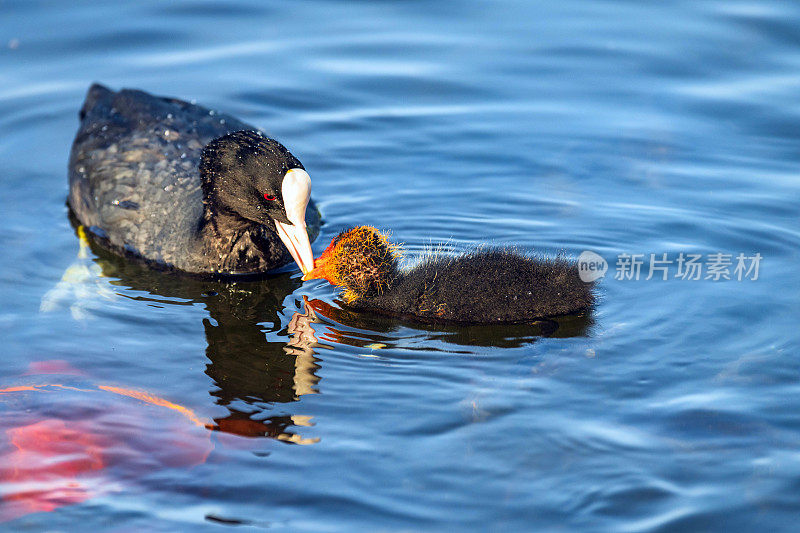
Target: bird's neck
{"points": [[229, 239], [220, 220], [387, 282]]}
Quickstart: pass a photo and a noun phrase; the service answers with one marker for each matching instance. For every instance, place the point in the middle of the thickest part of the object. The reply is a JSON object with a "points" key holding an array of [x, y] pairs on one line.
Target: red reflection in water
{"points": [[52, 366], [45, 468], [48, 463], [242, 427], [330, 333]]}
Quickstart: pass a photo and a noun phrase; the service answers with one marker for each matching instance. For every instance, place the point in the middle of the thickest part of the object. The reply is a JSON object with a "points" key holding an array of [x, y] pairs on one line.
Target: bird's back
{"points": [[134, 179], [489, 286]]}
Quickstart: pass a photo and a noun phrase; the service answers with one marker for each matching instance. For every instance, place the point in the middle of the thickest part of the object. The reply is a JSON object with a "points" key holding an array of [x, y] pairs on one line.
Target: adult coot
{"points": [[182, 187], [487, 286]]}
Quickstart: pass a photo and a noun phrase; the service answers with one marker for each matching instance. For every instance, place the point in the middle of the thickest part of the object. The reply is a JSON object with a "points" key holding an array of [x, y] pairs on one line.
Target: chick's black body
{"points": [[491, 286], [485, 286], [147, 181]]}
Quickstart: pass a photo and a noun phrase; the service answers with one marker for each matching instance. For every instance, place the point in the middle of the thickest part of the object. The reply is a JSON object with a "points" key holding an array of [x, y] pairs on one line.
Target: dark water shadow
{"points": [[250, 372], [357, 328]]}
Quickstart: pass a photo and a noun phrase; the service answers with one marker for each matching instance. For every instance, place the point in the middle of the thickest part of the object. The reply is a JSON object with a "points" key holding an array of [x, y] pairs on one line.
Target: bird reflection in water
{"points": [[254, 378], [290, 375], [51, 457], [59, 448], [342, 325]]}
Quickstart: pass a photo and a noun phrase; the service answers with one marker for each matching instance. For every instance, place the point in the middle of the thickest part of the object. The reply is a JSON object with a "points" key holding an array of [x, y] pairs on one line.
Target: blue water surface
{"points": [[612, 126]]}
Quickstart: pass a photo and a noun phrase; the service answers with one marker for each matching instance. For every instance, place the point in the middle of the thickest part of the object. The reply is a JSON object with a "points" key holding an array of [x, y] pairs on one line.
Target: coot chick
{"points": [[179, 186], [484, 286]]}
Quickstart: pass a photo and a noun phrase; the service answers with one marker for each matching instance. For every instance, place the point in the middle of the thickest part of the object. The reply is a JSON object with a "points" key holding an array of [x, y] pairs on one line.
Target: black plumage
{"points": [[485, 286], [179, 186]]}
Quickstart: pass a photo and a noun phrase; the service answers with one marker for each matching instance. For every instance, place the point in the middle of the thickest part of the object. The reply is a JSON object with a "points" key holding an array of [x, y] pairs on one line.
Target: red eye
{"points": [[269, 197]]}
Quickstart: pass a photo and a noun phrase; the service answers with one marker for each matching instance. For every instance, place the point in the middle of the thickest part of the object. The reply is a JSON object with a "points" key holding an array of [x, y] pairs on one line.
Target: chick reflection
{"points": [[252, 376], [358, 328]]}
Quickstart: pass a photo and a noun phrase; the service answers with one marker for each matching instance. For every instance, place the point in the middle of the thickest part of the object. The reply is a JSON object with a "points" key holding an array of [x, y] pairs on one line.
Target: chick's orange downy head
{"points": [[360, 260]]}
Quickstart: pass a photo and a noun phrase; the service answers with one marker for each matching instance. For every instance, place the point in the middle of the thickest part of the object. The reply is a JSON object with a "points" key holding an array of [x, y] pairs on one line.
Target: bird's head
{"points": [[361, 260], [255, 177]]}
